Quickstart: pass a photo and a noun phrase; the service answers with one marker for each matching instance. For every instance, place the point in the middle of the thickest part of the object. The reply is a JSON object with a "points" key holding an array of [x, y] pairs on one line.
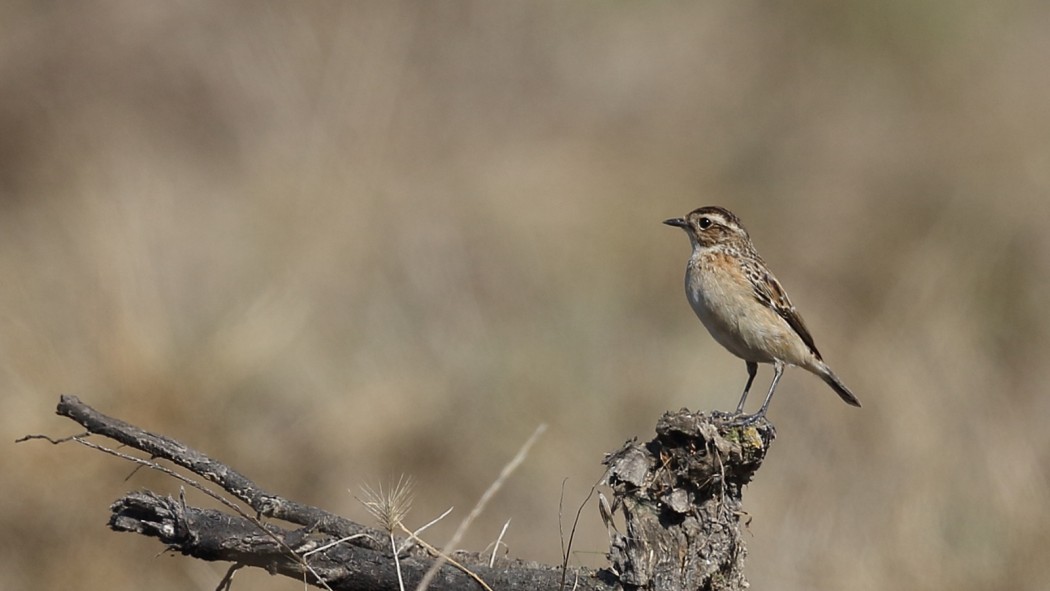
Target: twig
{"points": [[227, 580], [415, 534], [572, 533], [499, 540], [442, 556], [333, 544]]}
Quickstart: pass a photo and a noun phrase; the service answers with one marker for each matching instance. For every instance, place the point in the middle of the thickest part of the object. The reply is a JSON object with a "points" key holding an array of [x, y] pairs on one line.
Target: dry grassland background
{"points": [[331, 243]]}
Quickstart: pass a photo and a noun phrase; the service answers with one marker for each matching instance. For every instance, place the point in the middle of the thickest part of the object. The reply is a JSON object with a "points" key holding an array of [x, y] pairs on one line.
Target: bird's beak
{"points": [[680, 222]]}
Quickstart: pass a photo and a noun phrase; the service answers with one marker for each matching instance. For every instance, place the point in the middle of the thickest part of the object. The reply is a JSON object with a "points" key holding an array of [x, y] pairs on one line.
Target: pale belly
{"points": [[744, 326]]}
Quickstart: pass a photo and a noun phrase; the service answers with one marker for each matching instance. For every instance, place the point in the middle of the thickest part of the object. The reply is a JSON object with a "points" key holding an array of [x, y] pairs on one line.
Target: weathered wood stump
{"points": [[680, 495]]}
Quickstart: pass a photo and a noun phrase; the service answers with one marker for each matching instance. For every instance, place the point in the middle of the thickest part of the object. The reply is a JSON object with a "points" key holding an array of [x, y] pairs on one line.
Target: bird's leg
{"points": [[752, 369], [778, 370]]}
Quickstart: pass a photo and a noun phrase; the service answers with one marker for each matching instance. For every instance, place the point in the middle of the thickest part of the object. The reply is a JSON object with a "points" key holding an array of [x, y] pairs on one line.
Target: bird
{"points": [[744, 307]]}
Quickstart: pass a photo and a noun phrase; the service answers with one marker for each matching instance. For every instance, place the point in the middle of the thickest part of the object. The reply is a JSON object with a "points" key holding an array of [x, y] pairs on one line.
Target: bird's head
{"points": [[710, 226]]}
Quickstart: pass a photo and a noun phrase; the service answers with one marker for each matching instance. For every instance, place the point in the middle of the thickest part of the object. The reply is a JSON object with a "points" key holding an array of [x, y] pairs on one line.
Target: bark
{"points": [[681, 498]]}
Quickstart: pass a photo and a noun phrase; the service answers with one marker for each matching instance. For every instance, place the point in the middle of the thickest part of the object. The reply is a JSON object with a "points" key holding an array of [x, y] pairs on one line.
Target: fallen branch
{"points": [[679, 494]]}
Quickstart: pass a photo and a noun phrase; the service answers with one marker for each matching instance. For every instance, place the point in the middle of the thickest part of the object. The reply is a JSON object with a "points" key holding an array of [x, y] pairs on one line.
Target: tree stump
{"points": [[680, 495]]}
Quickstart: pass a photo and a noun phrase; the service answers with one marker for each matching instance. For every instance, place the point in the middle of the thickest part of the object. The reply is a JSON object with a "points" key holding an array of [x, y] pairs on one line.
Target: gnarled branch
{"points": [[679, 494]]}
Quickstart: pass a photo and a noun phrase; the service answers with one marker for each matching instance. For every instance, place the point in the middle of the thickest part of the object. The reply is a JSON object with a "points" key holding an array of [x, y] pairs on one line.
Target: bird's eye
{"points": [[705, 223]]}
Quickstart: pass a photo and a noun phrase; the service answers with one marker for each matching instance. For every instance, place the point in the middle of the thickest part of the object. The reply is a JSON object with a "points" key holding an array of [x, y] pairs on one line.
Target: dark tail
{"points": [[839, 388]]}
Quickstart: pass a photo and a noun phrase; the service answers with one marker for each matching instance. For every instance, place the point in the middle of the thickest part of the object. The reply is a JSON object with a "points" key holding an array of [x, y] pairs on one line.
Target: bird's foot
{"points": [[743, 420], [721, 415]]}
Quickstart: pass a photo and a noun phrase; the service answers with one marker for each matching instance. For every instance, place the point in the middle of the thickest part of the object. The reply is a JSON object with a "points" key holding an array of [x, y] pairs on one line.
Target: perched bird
{"points": [[743, 306]]}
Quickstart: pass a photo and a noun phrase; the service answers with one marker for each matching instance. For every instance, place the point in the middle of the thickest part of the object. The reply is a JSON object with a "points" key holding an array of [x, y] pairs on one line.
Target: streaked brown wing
{"points": [[769, 291]]}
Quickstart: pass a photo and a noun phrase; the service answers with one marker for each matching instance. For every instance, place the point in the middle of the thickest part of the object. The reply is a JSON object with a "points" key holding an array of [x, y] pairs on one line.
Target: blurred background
{"points": [[333, 243]]}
